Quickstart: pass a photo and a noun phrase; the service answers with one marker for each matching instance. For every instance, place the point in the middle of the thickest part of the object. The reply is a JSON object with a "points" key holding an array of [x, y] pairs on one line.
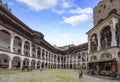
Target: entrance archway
{"points": [[16, 63], [26, 62], [84, 66], [33, 64], [38, 64], [70, 66], [4, 61]]}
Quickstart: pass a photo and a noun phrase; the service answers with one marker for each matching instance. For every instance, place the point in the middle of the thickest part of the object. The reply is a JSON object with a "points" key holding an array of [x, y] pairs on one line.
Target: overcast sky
{"points": [[62, 22]]}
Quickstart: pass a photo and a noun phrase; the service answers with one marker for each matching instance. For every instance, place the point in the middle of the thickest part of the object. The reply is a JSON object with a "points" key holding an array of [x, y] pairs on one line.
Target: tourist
{"points": [[41, 69], [23, 69], [118, 76], [90, 72], [81, 74], [31, 68]]}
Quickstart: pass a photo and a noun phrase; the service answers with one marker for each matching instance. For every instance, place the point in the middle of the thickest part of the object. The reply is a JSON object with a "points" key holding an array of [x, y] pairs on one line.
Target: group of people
{"points": [[28, 68], [91, 72]]}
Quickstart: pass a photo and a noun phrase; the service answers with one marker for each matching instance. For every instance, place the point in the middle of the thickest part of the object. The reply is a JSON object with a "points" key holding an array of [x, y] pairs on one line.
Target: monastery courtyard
{"points": [[53, 75]]}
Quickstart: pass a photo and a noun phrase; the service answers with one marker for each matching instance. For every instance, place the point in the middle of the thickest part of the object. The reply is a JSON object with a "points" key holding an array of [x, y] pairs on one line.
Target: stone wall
{"points": [[104, 9]]}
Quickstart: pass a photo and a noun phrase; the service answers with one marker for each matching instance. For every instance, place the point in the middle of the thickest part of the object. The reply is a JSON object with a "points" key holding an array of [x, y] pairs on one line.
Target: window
{"points": [[93, 58], [99, 11], [19, 44], [106, 56], [111, 0], [94, 43], [104, 6], [106, 38], [5, 61]]}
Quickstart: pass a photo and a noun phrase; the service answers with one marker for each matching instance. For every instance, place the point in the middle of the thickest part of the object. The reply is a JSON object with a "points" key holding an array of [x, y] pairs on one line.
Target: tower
{"points": [[104, 9]]}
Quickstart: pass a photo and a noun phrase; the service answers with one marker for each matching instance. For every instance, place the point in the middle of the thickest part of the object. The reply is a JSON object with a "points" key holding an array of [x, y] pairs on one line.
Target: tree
{"points": [[0, 2]]}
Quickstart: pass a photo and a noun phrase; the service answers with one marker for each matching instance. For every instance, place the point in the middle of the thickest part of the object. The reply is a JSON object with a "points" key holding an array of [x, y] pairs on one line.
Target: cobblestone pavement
{"points": [[98, 79], [54, 75]]}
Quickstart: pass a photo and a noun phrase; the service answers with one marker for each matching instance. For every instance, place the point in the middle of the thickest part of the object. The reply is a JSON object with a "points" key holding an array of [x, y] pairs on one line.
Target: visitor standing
{"points": [[81, 74], [41, 69], [23, 69]]}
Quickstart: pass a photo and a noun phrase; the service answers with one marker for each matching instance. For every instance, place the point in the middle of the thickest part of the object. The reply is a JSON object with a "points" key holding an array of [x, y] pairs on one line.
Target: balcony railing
{"points": [[4, 48]]}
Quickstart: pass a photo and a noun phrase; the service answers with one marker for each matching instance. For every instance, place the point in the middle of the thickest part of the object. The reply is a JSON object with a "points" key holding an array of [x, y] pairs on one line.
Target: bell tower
{"points": [[104, 9]]}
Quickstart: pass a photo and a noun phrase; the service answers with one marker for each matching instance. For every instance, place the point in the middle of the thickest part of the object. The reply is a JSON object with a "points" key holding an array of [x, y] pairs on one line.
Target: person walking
{"points": [[81, 74], [40, 68], [23, 69]]}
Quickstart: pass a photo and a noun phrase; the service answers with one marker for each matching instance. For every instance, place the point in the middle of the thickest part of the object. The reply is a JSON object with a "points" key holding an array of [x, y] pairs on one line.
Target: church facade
{"points": [[104, 38], [20, 46]]}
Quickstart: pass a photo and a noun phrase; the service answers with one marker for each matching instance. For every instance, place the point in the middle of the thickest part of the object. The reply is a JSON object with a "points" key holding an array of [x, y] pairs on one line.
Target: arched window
{"points": [[94, 42], [93, 58], [106, 38], [106, 56]]}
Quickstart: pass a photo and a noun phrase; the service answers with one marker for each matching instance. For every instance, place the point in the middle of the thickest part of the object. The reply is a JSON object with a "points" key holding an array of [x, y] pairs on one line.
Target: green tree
{"points": [[0, 1]]}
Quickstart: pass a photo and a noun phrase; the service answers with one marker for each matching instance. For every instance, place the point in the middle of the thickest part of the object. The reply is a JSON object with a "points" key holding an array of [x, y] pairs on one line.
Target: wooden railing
{"points": [[4, 48]]}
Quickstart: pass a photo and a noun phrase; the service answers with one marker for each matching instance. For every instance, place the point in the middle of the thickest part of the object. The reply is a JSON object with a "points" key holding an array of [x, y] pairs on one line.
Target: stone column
{"points": [[81, 58], [11, 43], [97, 66], [81, 65], [23, 43], [36, 53], [56, 65], [118, 65], [89, 45], [66, 59], [50, 57], [30, 63], [99, 43], [56, 58], [86, 66], [36, 65], [76, 60], [69, 59], [44, 54], [113, 42], [41, 53], [53, 57], [31, 50], [10, 64], [60, 58], [21, 64]]}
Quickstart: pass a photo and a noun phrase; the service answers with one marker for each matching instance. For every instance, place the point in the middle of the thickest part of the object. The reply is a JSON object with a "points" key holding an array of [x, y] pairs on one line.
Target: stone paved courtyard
{"points": [[47, 76]]}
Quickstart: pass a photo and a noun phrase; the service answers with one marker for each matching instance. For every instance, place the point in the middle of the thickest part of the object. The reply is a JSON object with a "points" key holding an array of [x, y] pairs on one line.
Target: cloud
{"points": [[59, 11], [67, 4], [40, 4], [81, 11], [10, 3], [62, 39], [76, 20], [67, 35]]}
